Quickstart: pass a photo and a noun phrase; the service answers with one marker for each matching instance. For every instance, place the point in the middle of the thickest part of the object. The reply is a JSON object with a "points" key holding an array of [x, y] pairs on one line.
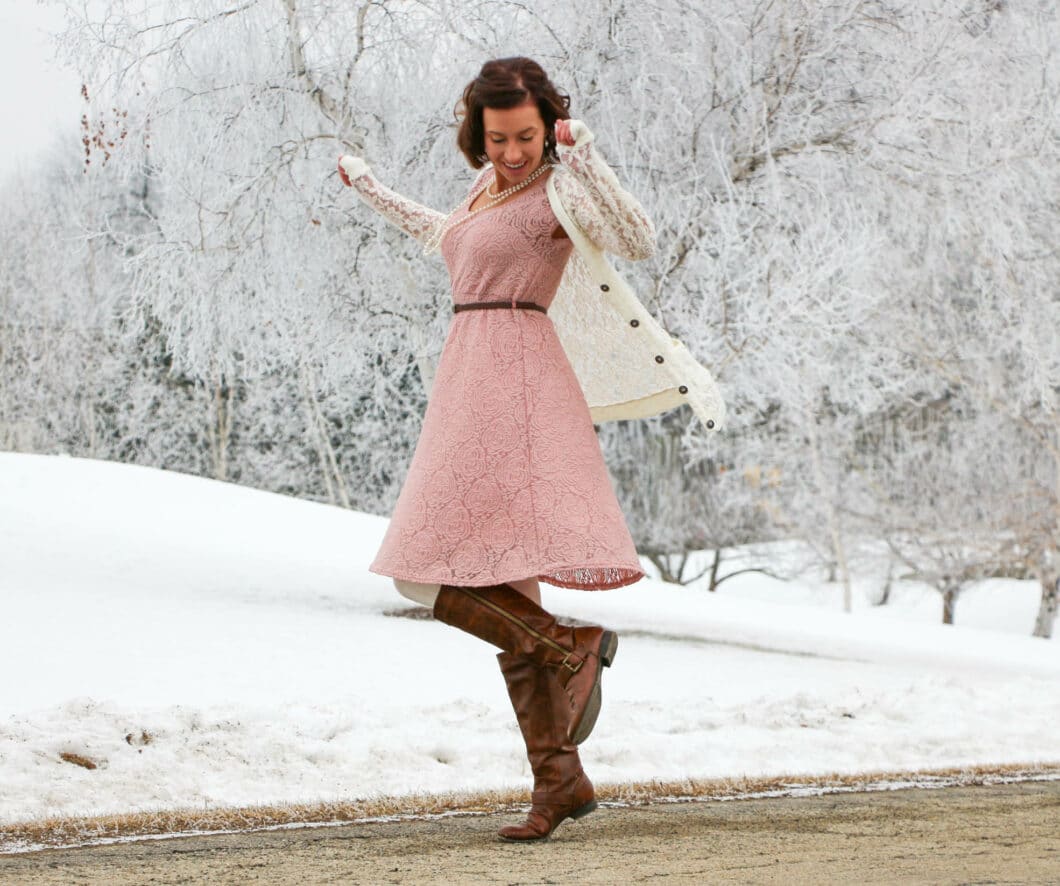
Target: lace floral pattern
{"points": [[615, 361], [507, 480], [608, 214], [413, 218]]}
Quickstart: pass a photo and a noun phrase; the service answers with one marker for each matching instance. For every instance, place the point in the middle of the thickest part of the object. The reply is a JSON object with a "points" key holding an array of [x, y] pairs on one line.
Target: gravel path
{"points": [[988, 834]]}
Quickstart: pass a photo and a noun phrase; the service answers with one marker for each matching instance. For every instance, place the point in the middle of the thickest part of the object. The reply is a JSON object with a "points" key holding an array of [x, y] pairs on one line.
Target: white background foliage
{"points": [[856, 205]]}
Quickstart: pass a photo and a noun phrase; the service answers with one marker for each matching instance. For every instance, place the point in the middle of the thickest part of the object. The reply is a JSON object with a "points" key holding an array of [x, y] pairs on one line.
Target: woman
{"points": [[507, 485]]}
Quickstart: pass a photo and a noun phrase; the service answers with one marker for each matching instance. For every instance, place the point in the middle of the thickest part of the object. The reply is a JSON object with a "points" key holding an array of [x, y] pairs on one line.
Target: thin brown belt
{"points": [[471, 306]]}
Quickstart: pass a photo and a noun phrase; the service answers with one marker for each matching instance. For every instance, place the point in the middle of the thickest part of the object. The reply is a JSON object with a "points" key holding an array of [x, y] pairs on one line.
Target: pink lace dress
{"points": [[507, 480]]}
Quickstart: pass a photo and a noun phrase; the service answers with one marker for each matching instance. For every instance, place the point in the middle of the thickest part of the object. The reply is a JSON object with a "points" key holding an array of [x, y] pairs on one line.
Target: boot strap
{"points": [[579, 660], [552, 798], [572, 660]]}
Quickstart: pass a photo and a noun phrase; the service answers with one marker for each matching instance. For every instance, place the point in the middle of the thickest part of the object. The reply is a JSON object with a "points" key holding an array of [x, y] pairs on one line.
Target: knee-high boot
{"points": [[561, 788], [500, 615]]}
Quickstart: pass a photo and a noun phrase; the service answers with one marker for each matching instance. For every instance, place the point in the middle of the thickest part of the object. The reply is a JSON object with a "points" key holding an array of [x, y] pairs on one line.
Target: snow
{"points": [[211, 645]]}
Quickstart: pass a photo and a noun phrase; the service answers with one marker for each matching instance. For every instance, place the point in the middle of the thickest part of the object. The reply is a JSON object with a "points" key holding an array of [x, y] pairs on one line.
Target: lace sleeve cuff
{"points": [[608, 214]]}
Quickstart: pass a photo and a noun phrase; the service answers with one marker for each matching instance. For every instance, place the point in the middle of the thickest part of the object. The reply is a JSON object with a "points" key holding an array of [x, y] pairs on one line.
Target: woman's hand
{"points": [[351, 167], [572, 132]]}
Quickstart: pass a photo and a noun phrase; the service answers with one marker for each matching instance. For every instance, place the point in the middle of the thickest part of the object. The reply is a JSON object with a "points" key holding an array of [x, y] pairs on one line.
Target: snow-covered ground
{"points": [[210, 645]]}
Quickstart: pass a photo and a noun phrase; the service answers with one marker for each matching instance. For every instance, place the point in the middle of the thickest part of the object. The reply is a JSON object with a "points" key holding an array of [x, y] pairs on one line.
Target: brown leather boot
{"points": [[561, 788], [500, 615]]}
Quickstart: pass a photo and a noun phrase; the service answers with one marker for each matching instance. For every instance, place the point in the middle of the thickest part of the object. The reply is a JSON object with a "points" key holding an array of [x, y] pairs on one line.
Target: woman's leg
{"points": [[561, 788], [528, 587], [426, 594], [507, 617]]}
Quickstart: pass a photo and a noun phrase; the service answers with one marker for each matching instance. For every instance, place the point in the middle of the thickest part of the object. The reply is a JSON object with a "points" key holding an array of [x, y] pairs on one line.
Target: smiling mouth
{"points": [[520, 166]]}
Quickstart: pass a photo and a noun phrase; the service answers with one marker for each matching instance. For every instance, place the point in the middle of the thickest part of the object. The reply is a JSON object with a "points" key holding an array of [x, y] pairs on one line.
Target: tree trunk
{"points": [[835, 536], [665, 566], [334, 482], [1043, 625], [885, 595], [714, 570], [841, 559], [1050, 567], [220, 428], [681, 568], [949, 602]]}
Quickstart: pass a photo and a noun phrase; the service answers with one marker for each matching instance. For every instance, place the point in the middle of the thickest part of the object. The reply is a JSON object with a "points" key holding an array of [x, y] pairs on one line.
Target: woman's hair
{"points": [[507, 83]]}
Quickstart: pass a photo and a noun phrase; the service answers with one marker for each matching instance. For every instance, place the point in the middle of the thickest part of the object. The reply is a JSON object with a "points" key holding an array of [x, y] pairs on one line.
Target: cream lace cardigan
{"points": [[627, 364]]}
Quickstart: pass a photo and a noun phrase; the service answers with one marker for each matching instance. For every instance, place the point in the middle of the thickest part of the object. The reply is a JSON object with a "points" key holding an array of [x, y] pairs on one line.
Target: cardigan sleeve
{"points": [[607, 213], [413, 218]]}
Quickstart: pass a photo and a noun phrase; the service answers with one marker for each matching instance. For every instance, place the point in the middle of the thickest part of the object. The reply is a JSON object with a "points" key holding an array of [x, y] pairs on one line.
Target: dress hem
{"points": [[631, 578], [548, 575]]}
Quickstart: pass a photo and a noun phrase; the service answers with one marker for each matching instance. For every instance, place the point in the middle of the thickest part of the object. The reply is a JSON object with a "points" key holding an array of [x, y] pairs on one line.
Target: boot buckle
{"points": [[573, 668]]}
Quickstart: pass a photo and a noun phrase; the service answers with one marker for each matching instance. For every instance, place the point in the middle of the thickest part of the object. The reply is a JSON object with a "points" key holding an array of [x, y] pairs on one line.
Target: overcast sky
{"points": [[38, 99]]}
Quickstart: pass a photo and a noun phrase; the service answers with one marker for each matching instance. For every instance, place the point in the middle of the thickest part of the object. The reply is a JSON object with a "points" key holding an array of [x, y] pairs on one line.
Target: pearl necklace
{"points": [[492, 193], [435, 242]]}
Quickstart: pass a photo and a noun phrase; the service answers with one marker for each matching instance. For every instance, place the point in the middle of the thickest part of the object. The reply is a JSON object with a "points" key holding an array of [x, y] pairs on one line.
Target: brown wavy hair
{"points": [[507, 83]]}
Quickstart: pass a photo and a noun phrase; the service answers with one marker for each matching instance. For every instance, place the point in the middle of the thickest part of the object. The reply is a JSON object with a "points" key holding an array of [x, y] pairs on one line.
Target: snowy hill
{"points": [[203, 643]]}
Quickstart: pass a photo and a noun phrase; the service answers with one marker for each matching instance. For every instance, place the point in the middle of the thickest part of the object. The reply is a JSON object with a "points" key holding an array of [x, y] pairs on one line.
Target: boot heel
{"points": [[608, 648], [584, 810]]}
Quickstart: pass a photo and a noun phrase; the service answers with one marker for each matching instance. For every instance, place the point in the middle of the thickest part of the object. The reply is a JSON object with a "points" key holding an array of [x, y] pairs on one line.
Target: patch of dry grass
{"points": [[51, 833], [77, 760]]}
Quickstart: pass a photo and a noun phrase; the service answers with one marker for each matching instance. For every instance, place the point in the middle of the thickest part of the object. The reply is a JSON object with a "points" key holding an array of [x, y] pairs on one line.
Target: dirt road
{"points": [[989, 834]]}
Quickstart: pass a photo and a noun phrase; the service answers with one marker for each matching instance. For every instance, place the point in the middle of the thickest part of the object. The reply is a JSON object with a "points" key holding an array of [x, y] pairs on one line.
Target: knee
{"points": [[424, 594]]}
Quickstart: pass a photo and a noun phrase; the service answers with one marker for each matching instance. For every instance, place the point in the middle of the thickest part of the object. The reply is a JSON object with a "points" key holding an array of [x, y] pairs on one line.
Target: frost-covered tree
{"points": [[977, 310], [676, 508], [845, 193], [934, 493]]}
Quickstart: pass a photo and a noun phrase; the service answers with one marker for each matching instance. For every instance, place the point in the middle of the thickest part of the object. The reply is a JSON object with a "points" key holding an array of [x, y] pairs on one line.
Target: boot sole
{"points": [[608, 649], [580, 812]]}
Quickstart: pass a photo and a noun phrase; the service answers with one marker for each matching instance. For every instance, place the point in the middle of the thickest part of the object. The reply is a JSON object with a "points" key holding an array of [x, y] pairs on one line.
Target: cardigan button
{"points": [[604, 287], [658, 358], [634, 322], [683, 389], [710, 422]]}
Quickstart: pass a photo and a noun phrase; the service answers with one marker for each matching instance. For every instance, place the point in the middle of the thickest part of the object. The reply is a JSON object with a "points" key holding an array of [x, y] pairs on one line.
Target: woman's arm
{"points": [[413, 218], [608, 214]]}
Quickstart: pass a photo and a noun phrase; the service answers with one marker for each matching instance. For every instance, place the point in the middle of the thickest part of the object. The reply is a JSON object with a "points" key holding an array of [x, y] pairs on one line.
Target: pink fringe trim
{"points": [[593, 578]]}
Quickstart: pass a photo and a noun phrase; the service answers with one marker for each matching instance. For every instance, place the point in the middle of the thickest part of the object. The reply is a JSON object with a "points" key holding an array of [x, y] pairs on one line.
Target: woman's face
{"points": [[515, 141]]}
